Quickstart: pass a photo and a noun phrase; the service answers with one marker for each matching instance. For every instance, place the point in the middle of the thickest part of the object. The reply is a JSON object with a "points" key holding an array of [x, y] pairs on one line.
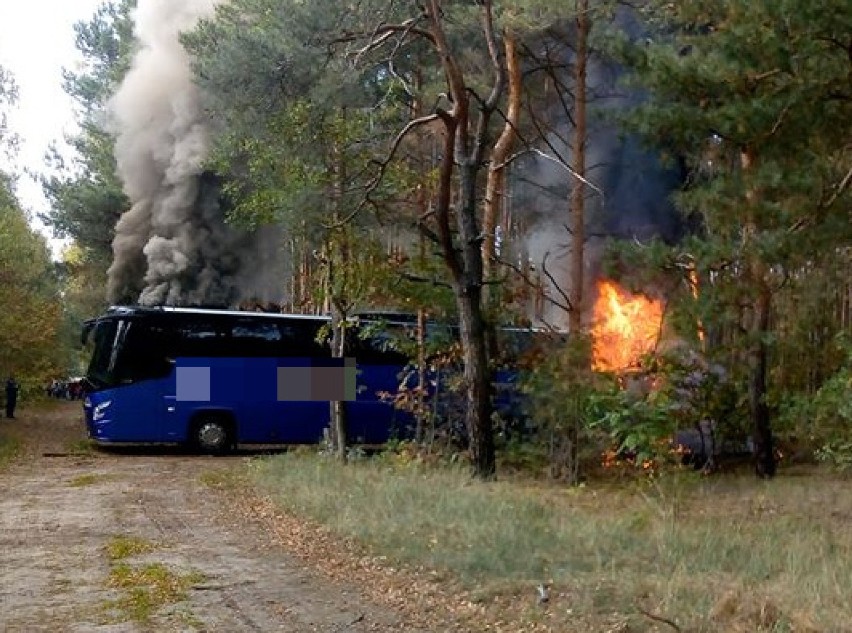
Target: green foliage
{"points": [[8, 97], [675, 391], [825, 416], [583, 415], [105, 42], [754, 98], [564, 396], [84, 191], [31, 317]]}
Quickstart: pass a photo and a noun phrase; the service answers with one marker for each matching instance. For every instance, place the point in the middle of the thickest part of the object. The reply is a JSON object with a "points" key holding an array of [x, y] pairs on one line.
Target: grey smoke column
{"points": [[637, 187], [173, 244]]}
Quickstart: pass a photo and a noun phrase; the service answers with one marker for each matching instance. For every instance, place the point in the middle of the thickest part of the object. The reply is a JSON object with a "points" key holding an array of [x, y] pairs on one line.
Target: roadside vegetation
{"points": [[146, 588], [727, 553], [10, 447], [87, 479]]}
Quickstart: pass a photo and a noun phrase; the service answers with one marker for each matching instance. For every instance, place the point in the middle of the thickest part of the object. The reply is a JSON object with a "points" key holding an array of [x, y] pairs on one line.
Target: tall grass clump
{"points": [[705, 550], [10, 447]]}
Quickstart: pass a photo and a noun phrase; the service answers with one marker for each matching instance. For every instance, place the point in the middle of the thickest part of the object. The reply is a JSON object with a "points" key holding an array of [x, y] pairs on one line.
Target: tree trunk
{"points": [[764, 451], [473, 332], [420, 431], [495, 187], [577, 215], [463, 152], [337, 408]]}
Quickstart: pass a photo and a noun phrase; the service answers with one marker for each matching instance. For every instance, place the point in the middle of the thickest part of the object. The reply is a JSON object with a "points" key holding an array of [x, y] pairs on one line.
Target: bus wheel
{"points": [[212, 435]]}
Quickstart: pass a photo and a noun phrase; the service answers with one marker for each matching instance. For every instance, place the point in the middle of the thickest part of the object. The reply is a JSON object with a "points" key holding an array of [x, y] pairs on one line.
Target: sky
{"points": [[36, 42]]}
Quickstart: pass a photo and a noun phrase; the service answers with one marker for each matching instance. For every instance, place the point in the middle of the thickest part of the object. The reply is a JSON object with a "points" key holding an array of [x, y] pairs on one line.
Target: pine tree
{"points": [[755, 95]]}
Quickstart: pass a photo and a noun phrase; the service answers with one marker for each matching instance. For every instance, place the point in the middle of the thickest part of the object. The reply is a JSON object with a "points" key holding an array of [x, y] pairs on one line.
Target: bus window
{"points": [[299, 339], [251, 331], [254, 338], [378, 347], [199, 337], [143, 353], [102, 340]]}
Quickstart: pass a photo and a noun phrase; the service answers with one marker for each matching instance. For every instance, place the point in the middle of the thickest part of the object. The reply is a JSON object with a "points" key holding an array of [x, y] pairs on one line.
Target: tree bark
{"points": [[463, 149], [473, 332], [764, 451], [495, 187], [577, 207]]}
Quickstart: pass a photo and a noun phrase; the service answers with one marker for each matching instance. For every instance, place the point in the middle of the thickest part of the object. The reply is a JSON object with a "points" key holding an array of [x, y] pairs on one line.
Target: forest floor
{"points": [[136, 541], [164, 540]]}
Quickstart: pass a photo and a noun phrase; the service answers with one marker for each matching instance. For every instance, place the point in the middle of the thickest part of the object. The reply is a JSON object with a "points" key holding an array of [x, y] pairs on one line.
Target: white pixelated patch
{"points": [[193, 384]]}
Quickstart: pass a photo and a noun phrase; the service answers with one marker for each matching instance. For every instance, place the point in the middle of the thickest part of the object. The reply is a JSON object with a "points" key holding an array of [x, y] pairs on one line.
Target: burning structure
{"points": [[625, 327]]}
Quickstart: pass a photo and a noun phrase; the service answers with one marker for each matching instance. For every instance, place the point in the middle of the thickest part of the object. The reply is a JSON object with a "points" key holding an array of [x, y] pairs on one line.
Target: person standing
{"points": [[11, 396]]}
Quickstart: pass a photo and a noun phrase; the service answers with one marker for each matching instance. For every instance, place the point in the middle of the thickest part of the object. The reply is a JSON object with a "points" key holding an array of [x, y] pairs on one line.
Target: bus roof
{"points": [[160, 310], [386, 317], [132, 310]]}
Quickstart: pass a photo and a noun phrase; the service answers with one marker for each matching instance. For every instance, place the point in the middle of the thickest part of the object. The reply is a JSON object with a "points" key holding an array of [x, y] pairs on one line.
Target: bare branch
{"points": [[533, 284], [567, 168], [553, 281], [420, 279], [658, 618], [381, 34], [841, 187], [499, 82], [454, 76], [383, 167]]}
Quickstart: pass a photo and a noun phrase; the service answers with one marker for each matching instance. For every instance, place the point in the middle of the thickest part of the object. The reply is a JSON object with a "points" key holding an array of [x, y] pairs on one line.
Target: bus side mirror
{"points": [[88, 326]]}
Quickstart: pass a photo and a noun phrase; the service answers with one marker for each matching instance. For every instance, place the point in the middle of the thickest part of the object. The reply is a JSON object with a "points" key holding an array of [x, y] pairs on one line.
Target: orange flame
{"points": [[624, 328]]}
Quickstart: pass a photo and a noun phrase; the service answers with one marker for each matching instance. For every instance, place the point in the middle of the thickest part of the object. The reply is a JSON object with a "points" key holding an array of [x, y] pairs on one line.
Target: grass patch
{"points": [[82, 448], [10, 448], [717, 554], [121, 547], [88, 479], [148, 588], [228, 479]]}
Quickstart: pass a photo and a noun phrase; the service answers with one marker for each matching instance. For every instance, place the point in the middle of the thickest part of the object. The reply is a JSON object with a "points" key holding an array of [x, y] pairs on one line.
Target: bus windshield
{"points": [[103, 343]]}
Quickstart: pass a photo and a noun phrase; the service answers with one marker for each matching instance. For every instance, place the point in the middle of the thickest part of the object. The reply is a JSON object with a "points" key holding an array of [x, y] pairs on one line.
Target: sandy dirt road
{"points": [[63, 508]]}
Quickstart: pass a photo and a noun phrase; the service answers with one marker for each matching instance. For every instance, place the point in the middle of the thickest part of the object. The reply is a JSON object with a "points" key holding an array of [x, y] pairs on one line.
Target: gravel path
{"points": [[61, 507]]}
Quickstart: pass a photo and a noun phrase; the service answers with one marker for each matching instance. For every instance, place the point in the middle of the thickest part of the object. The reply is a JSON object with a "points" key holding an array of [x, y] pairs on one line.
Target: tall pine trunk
{"points": [[337, 408], [495, 186], [473, 329], [758, 331], [577, 209], [463, 154], [764, 450]]}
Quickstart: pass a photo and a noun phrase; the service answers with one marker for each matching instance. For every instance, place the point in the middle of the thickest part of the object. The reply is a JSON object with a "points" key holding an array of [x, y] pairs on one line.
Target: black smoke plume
{"points": [[173, 246]]}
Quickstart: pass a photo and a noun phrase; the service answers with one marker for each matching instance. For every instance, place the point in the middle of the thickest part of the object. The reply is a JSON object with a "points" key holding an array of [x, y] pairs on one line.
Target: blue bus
{"points": [[213, 379]]}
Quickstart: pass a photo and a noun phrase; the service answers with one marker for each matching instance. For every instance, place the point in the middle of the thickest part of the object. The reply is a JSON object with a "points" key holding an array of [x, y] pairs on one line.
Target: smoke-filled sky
{"points": [[173, 245], [36, 41]]}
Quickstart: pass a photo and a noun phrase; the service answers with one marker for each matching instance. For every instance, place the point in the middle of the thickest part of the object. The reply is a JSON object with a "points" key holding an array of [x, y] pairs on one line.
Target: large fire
{"points": [[624, 327]]}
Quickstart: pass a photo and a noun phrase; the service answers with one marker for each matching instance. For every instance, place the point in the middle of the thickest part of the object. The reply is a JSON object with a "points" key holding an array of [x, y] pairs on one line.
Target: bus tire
{"points": [[212, 434]]}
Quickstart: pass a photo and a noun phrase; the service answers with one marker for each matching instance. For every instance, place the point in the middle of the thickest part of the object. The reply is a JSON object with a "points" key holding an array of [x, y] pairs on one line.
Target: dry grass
{"points": [[10, 448], [145, 588], [88, 479], [720, 554], [121, 547]]}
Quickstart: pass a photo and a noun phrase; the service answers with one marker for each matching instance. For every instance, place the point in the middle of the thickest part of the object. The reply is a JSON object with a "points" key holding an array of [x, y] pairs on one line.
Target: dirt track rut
{"points": [[59, 510]]}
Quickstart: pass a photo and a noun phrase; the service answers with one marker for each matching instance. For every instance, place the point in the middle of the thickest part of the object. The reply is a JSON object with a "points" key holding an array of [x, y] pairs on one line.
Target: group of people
{"points": [[65, 389], [12, 389]]}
